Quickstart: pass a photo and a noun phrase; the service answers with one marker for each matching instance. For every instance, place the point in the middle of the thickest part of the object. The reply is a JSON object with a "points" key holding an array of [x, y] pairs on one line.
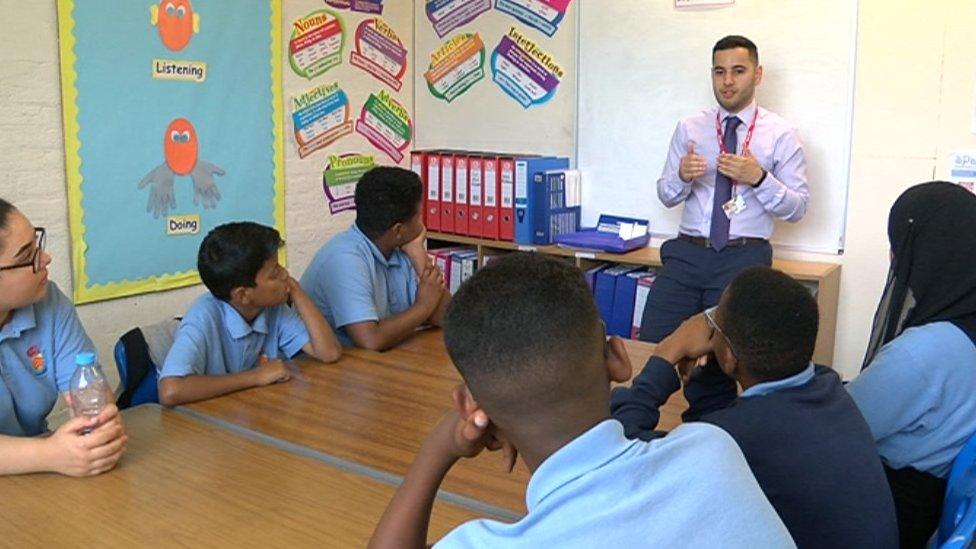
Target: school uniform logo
{"points": [[38, 364]]}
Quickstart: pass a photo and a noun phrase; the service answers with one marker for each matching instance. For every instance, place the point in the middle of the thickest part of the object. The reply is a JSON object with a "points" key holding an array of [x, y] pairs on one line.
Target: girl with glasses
{"points": [[40, 335]]}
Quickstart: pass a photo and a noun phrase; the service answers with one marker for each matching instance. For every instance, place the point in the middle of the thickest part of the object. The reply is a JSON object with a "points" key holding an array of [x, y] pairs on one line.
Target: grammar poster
{"points": [[172, 115]]}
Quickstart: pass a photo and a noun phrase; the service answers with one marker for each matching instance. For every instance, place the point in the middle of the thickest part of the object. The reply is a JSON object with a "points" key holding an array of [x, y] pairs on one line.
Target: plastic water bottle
{"points": [[88, 389]]}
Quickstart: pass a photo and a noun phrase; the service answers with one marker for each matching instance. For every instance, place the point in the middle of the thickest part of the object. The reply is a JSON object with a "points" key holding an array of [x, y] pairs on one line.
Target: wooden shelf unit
{"points": [[826, 276]]}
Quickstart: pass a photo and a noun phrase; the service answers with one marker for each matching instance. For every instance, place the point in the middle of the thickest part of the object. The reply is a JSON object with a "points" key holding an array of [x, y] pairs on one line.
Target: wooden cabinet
{"points": [[822, 278]]}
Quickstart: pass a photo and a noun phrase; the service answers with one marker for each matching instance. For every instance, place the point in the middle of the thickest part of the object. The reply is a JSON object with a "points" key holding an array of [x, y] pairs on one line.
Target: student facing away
{"points": [[917, 386], [239, 334], [801, 433], [525, 334], [374, 282], [40, 335]]}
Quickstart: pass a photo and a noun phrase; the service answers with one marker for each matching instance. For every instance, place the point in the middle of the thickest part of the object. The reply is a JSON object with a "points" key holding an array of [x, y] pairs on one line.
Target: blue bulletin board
{"points": [[172, 117]]}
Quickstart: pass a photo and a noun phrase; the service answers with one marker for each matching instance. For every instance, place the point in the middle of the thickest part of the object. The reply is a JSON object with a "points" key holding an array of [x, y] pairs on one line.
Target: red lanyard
{"points": [[745, 144]]}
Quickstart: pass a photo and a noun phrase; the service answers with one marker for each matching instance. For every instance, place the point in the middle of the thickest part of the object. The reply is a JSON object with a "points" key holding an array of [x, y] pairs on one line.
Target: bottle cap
{"points": [[84, 359]]}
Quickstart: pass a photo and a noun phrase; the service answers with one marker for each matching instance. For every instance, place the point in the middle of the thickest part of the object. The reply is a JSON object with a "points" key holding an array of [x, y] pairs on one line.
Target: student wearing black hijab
{"points": [[917, 387]]}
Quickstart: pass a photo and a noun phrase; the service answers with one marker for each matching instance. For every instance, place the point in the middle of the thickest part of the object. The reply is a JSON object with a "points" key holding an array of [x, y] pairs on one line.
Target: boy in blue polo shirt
{"points": [[238, 335], [374, 282], [40, 335], [526, 336]]}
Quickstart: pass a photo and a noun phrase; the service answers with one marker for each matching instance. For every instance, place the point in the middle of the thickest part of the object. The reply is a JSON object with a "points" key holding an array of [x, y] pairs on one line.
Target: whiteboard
{"points": [[643, 65]]}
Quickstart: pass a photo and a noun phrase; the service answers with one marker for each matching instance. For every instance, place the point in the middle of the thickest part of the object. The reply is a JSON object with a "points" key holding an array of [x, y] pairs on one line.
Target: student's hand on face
{"points": [[430, 286], [293, 286], [468, 437], [743, 169], [693, 165], [271, 371], [78, 454], [687, 367], [690, 341], [417, 244]]}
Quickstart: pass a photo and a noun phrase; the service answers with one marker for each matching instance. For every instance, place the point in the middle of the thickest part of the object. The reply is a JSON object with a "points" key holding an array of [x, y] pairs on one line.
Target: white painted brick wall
{"points": [[32, 163]]}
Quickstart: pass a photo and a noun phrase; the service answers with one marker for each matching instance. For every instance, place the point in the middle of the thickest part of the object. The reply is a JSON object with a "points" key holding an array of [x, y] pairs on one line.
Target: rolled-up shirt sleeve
{"points": [[784, 193]]}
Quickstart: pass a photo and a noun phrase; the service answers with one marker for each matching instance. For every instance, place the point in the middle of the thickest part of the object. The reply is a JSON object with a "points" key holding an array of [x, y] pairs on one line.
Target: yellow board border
{"points": [[83, 292]]}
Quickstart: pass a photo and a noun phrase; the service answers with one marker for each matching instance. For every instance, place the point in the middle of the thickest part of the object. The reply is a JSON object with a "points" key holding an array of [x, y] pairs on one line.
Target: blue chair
{"points": [[957, 527], [137, 371]]}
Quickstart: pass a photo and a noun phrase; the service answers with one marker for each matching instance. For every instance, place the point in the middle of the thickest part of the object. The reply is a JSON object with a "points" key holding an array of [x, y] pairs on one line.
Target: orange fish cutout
{"points": [[180, 146], [175, 21]]}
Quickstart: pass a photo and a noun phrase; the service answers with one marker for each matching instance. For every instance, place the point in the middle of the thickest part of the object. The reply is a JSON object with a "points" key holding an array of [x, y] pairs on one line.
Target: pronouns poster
{"points": [[380, 52], [447, 15], [340, 177], [320, 116], [316, 43], [524, 71], [456, 66], [543, 15], [385, 123]]}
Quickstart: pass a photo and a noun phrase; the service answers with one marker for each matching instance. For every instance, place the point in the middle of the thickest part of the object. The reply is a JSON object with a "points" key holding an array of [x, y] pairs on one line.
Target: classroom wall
{"points": [[915, 96], [32, 158], [484, 118]]}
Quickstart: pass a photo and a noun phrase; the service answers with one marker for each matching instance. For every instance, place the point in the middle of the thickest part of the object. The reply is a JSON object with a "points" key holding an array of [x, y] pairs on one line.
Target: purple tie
{"points": [[718, 237]]}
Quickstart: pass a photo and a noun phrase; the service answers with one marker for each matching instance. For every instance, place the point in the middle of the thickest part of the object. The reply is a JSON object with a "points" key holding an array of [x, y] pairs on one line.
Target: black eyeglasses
{"points": [[606, 341], [710, 318], [40, 237]]}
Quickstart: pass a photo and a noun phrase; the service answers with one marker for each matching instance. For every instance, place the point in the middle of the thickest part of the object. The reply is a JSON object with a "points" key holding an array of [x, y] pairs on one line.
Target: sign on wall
{"points": [[172, 126]]}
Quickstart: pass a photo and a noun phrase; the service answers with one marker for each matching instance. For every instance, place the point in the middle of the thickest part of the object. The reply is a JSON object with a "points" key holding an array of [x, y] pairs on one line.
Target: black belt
{"points": [[732, 243]]}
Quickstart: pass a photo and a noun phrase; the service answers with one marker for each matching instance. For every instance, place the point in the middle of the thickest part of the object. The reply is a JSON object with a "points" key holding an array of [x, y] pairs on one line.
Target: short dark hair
{"points": [[232, 254], [735, 41], [6, 208], [771, 321], [524, 332], [385, 196]]}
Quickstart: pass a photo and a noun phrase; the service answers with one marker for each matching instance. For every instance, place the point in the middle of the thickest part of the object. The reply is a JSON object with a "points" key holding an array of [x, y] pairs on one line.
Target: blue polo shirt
{"points": [[214, 339], [917, 397], [691, 488], [350, 281], [37, 358], [770, 387]]}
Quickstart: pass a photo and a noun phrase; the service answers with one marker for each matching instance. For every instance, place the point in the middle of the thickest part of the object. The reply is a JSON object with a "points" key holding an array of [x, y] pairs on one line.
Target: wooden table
{"points": [[185, 483], [375, 409]]}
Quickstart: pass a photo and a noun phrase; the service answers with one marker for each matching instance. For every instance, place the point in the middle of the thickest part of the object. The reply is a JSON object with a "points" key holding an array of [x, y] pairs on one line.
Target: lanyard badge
{"points": [[737, 204]]}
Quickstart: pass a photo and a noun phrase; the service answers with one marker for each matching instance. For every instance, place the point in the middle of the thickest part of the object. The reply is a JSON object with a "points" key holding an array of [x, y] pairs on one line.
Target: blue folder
{"points": [[604, 236], [525, 169]]}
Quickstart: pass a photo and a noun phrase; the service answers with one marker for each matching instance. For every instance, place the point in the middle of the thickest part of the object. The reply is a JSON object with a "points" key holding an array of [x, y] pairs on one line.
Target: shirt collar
{"points": [[237, 327], [23, 319], [768, 387], [394, 260], [745, 115], [593, 449]]}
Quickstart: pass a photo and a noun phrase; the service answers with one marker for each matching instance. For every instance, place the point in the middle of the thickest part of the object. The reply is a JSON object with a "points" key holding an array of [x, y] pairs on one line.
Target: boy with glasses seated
{"points": [[801, 433]]}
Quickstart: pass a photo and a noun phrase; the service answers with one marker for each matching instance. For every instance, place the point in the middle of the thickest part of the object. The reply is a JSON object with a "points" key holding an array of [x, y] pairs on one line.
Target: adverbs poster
{"points": [[386, 124]]}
